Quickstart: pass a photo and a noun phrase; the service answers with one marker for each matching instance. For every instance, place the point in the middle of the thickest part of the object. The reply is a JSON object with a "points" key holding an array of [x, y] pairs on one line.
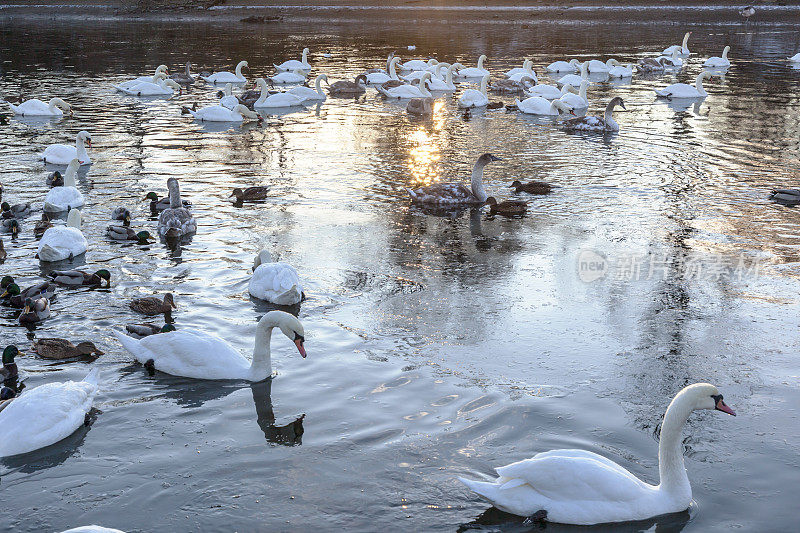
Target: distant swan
{"points": [[295, 76], [563, 66], [474, 72], [618, 70], [583, 488], [228, 77], [293, 64], [682, 49], [163, 87], [719, 62], [161, 72], [218, 113], [455, 193], [36, 108], [593, 123], [683, 90], [519, 70], [408, 91]]}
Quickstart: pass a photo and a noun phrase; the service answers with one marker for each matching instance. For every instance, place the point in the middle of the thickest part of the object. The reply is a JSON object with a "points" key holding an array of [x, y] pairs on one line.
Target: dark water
{"points": [[437, 346]]}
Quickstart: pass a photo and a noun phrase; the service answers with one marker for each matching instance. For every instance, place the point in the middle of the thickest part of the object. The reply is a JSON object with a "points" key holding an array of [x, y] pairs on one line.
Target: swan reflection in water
{"points": [[290, 434], [493, 519]]}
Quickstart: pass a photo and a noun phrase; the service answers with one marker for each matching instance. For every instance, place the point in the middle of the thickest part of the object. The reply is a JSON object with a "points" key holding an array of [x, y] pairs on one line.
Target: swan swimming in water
{"points": [[593, 123], [36, 108], [63, 242], [455, 194], [475, 97], [536, 105], [474, 72], [62, 154], [275, 282], [294, 64], [583, 488], [228, 77], [563, 66], [176, 217], [160, 73], [66, 197], [683, 90], [719, 62], [682, 49]]}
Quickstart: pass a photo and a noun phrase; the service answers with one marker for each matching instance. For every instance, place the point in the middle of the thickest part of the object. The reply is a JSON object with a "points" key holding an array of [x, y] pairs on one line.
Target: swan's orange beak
{"points": [[722, 406], [300, 348], [89, 143]]}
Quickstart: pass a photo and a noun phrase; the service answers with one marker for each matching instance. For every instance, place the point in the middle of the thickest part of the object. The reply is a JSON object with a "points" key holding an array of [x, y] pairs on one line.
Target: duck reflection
{"points": [[290, 434], [494, 519]]}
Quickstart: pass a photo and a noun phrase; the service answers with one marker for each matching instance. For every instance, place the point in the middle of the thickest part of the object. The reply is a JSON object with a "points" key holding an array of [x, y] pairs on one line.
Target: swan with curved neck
{"points": [[583, 488], [475, 97], [576, 99], [576, 79], [293, 64], [526, 72], [229, 77], [436, 84], [597, 124], [62, 154], [455, 194], [308, 94], [683, 49], [196, 354], [719, 62], [683, 90], [536, 105], [286, 99], [56, 107], [67, 196], [474, 72]]}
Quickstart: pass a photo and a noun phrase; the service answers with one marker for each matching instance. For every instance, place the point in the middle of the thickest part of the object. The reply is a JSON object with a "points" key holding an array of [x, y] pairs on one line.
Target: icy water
{"points": [[438, 346]]}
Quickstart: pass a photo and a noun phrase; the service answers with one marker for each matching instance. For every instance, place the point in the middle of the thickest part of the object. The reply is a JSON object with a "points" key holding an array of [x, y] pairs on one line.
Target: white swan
{"points": [[196, 354], [62, 154], [455, 194], [563, 66], [92, 529], [175, 218], [619, 70], [475, 97], [160, 73], [583, 488], [275, 282], [63, 242], [228, 77], [550, 92], [672, 62], [536, 105], [597, 124], [682, 49], [527, 72], [519, 70], [46, 414], [474, 72], [795, 58], [683, 90], [163, 87], [408, 91], [295, 76], [218, 113], [576, 101], [595, 65], [66, 197], [377, 78], [228, 100], [308, 94], [719, 62], [416, 64], [446, 84], [277, 99], [36, 108], [575, 79], [294, 64]]}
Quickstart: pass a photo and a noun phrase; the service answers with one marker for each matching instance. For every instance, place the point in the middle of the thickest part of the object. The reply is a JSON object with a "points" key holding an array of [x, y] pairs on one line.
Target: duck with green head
{"points": [[124, 233], [157, 206], [10, 225], [9, 369], [80, 278], [16, 210], [35, 310], [147, 329], [17, 297]]}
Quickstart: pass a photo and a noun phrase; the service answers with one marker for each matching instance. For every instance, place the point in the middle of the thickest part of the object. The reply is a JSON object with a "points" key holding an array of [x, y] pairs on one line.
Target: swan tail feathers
{"points": [[91, 377], [485, 489], [51, 208], [512, 483], [130, 344], [14, 109]]}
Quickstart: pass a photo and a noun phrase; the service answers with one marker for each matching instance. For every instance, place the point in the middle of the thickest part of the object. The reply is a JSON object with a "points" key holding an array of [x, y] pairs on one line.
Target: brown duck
{"points": [[532, 187], [42, 225], [153, 306], [63, 349], [507, 207], [250, 194]]}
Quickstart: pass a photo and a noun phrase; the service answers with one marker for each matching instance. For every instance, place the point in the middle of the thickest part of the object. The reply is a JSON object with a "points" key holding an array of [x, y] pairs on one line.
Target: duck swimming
{"points": [[42, 225], [455, 194], [122, 214], [532, 187], [250, 194], [124, 233], [51, 348], [506, 207], [151, 305], [147, 329], [36, 309], [11, 225], [79, 278], [15, 211], [157, 206], [17, 297], [9, 369]]}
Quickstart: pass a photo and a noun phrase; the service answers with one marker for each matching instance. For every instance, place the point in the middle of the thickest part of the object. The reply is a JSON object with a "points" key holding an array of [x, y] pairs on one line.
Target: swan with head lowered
{"points": [[583, 488], [475, 97], [684, 90], [440, 84], [63, 242], [536, 105], [228, 77], [455, 194], [575, 79], [275, 281], [36, 108], [164, 87], [408, 91], [576, 99], [520, 70], [46, 414], [196, 354], [218, 113], [682, 49], [293, 64], [66, 197], [62, 154], [563, 66]]}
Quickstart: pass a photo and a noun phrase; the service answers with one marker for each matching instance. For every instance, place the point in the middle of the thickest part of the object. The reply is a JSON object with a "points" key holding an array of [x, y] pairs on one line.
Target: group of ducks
{"points": [[567, 486]]}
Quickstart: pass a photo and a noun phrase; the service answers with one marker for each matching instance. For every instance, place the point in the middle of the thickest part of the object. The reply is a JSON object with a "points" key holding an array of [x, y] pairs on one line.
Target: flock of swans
{"points": [[566, 486]]}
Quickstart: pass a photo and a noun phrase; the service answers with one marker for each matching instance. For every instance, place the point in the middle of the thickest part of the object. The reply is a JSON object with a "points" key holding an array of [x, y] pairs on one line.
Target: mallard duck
{"points": [[147, 329], [50, 348], [153, 306], [122, 214], [124, 233], [156, 205], [76, 278], [176, 217], [250, 194], [9, 369], [55, 179], [532, 187], [11, 225], [16, 210], [788, 197], [6, 395], [17, 297], [3, 252], [35, 310], [507, 207], [42, 225]]}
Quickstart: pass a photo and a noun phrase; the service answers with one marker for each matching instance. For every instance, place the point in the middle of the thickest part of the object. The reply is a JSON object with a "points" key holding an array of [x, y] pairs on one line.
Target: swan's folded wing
{"points": [[575, 475]]}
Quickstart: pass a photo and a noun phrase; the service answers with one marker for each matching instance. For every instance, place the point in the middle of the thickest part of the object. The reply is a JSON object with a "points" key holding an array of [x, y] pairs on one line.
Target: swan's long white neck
{"points": [[239, 69], [80, 149], [671, 470], [74, 218], [56, 102], [484, 86], [675, 59], [69, 175], [264, 91], [392, 69], [480, 61], [261, 367], [305, 56], [698, 83], [725, 52], [609, 114], [477, 181], [582, 93], [318, 85], [449, 79], [556, 106], [585, 70], [685, 40], [422, 88]]}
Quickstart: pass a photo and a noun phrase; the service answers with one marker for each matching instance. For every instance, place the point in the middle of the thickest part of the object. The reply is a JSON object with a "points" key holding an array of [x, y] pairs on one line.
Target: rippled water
{"points": [[438, 346]]}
